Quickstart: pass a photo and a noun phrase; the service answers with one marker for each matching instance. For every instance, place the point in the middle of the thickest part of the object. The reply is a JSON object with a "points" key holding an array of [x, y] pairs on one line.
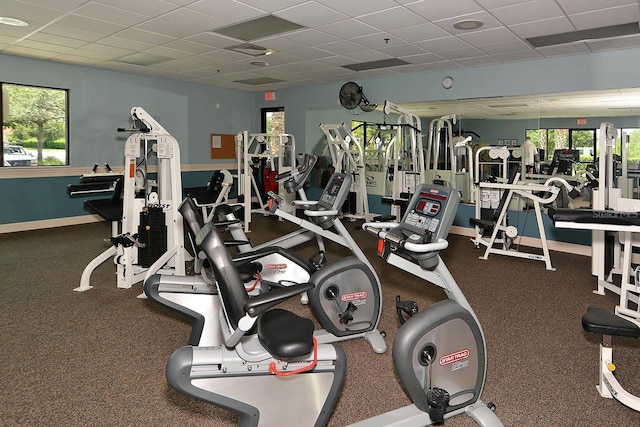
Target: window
{"points": [[549, 140], [35, 130], [272, 120]]}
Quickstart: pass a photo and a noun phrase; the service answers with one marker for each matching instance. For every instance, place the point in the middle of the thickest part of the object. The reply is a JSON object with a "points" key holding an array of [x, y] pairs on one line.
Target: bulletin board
{"points": [[222, 146]]}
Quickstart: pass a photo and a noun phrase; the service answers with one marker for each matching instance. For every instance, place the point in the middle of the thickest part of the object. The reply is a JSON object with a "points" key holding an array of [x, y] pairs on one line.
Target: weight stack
{"points": [[152, 232]]}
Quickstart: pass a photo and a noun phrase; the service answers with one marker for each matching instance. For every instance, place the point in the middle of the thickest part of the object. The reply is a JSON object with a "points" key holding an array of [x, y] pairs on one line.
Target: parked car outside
{"points": [[16, 155]]}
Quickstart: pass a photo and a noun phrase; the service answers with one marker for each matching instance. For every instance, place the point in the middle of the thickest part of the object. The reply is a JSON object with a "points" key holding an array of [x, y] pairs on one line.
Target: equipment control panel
{"points": [[431, 211]]}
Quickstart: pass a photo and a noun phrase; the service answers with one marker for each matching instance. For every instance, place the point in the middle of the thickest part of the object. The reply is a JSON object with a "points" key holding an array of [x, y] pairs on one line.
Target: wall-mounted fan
{"points": [[351, 96]]}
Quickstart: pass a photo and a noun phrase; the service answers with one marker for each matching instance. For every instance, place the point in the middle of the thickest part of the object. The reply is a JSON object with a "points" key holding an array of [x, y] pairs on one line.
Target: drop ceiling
{"points": [[325, 41]]}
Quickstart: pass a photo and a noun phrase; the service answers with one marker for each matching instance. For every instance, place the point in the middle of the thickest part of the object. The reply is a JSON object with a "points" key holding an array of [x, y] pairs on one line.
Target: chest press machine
{"points": [[147, 234]]}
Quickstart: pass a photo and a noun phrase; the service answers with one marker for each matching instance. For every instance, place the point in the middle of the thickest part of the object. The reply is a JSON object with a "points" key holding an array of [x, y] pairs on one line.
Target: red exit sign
{"points": [[269, 96]]}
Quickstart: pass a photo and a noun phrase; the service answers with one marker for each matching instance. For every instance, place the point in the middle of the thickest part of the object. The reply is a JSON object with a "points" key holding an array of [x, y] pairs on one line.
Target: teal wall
{"points": [[100, 102]]}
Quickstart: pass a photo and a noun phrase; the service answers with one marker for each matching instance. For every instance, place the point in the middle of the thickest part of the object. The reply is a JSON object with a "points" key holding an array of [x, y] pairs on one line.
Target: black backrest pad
{"points": [[232, 290], [191, 215]]}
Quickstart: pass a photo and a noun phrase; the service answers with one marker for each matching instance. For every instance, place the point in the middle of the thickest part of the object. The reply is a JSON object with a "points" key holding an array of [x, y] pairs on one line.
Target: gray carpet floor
{"points": [[98, 357]]}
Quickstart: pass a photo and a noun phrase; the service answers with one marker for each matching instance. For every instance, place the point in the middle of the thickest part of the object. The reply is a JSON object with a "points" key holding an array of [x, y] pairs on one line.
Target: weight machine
{"points": [[407, 158], [494, 233], [625, 320], [253, 151], [607, 244], [450, 157], [347, 156], [150, 238]]}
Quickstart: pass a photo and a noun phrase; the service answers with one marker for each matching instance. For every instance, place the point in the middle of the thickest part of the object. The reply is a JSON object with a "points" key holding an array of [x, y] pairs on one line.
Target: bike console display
{"points": [[428, 218], [430, 212], [331, 200]]}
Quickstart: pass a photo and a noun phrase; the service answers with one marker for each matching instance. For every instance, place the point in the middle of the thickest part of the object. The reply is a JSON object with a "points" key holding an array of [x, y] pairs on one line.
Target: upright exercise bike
{"points": [[439, 353], [346, 293]]}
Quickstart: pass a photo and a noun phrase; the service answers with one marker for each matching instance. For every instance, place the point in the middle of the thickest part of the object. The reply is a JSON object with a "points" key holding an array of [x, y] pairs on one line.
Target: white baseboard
{"points": [[48, 223], [533, 242]]}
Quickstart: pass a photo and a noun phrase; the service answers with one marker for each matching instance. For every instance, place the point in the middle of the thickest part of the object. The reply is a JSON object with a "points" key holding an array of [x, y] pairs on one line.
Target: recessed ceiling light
{"points": [[469, 24], [14, 22], [259, 63]]}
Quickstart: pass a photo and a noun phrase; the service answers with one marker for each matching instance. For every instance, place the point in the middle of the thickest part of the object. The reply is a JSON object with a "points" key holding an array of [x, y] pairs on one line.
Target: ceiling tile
{"points": [[72, 33], [517, 56], [354, 8], [443, 44], [90, 24], [495, 35], [367, 56], [63, 5], [505, 47], [476, 61], [545, 27], [348, 30], [151, 7], [192, 20], [311, 53], [424, 58], [56, 40], [311, 37], [572, 6], [32, 44], [188, 46], [136, 34], [342, 47], [110, 14], [435, 10], [226, 10], [466, 52], [271, 5], [311, 14], [391, 19], [608, 17], [116, 41], [420, 32], [379, 41], [168, 29], [28, 12], [534, 10]]}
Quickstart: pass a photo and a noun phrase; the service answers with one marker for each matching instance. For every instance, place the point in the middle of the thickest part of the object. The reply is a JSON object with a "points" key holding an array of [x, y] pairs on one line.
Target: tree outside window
{"points": [[35, 123]]}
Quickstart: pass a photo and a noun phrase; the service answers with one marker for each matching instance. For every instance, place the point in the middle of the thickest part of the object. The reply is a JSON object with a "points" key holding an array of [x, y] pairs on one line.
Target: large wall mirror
{"points": [[555, 121]]}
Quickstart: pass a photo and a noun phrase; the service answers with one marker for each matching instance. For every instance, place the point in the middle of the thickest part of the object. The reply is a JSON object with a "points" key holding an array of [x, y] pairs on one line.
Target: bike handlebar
{"points": [[381, 230]]}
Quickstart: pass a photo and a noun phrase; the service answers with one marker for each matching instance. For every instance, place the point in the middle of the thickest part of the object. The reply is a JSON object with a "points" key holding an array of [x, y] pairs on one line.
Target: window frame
{"points": [[4, 103]]}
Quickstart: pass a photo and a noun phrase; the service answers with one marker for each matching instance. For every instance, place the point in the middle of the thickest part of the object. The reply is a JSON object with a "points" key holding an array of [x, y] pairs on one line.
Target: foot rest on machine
{"points": [[482, 223], [599, 320], [384, 218], [226, 209]]}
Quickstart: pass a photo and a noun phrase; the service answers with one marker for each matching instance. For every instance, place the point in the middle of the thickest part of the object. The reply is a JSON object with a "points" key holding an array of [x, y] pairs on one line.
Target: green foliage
{"points": [[37, 118], [52, 161]]}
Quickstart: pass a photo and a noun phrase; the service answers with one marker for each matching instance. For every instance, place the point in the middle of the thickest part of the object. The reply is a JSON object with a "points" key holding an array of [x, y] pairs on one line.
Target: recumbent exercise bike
{"points": [[439, 353]]}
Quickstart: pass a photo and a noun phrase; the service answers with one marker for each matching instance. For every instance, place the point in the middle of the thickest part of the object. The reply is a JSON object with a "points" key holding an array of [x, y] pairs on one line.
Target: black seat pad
{"points": [[248, 271], [602, 321], [284, 334]]}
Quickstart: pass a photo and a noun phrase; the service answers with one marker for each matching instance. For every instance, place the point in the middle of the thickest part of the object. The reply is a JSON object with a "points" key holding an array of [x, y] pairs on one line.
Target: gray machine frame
{"points": [[413, 246], [238, 374]]}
